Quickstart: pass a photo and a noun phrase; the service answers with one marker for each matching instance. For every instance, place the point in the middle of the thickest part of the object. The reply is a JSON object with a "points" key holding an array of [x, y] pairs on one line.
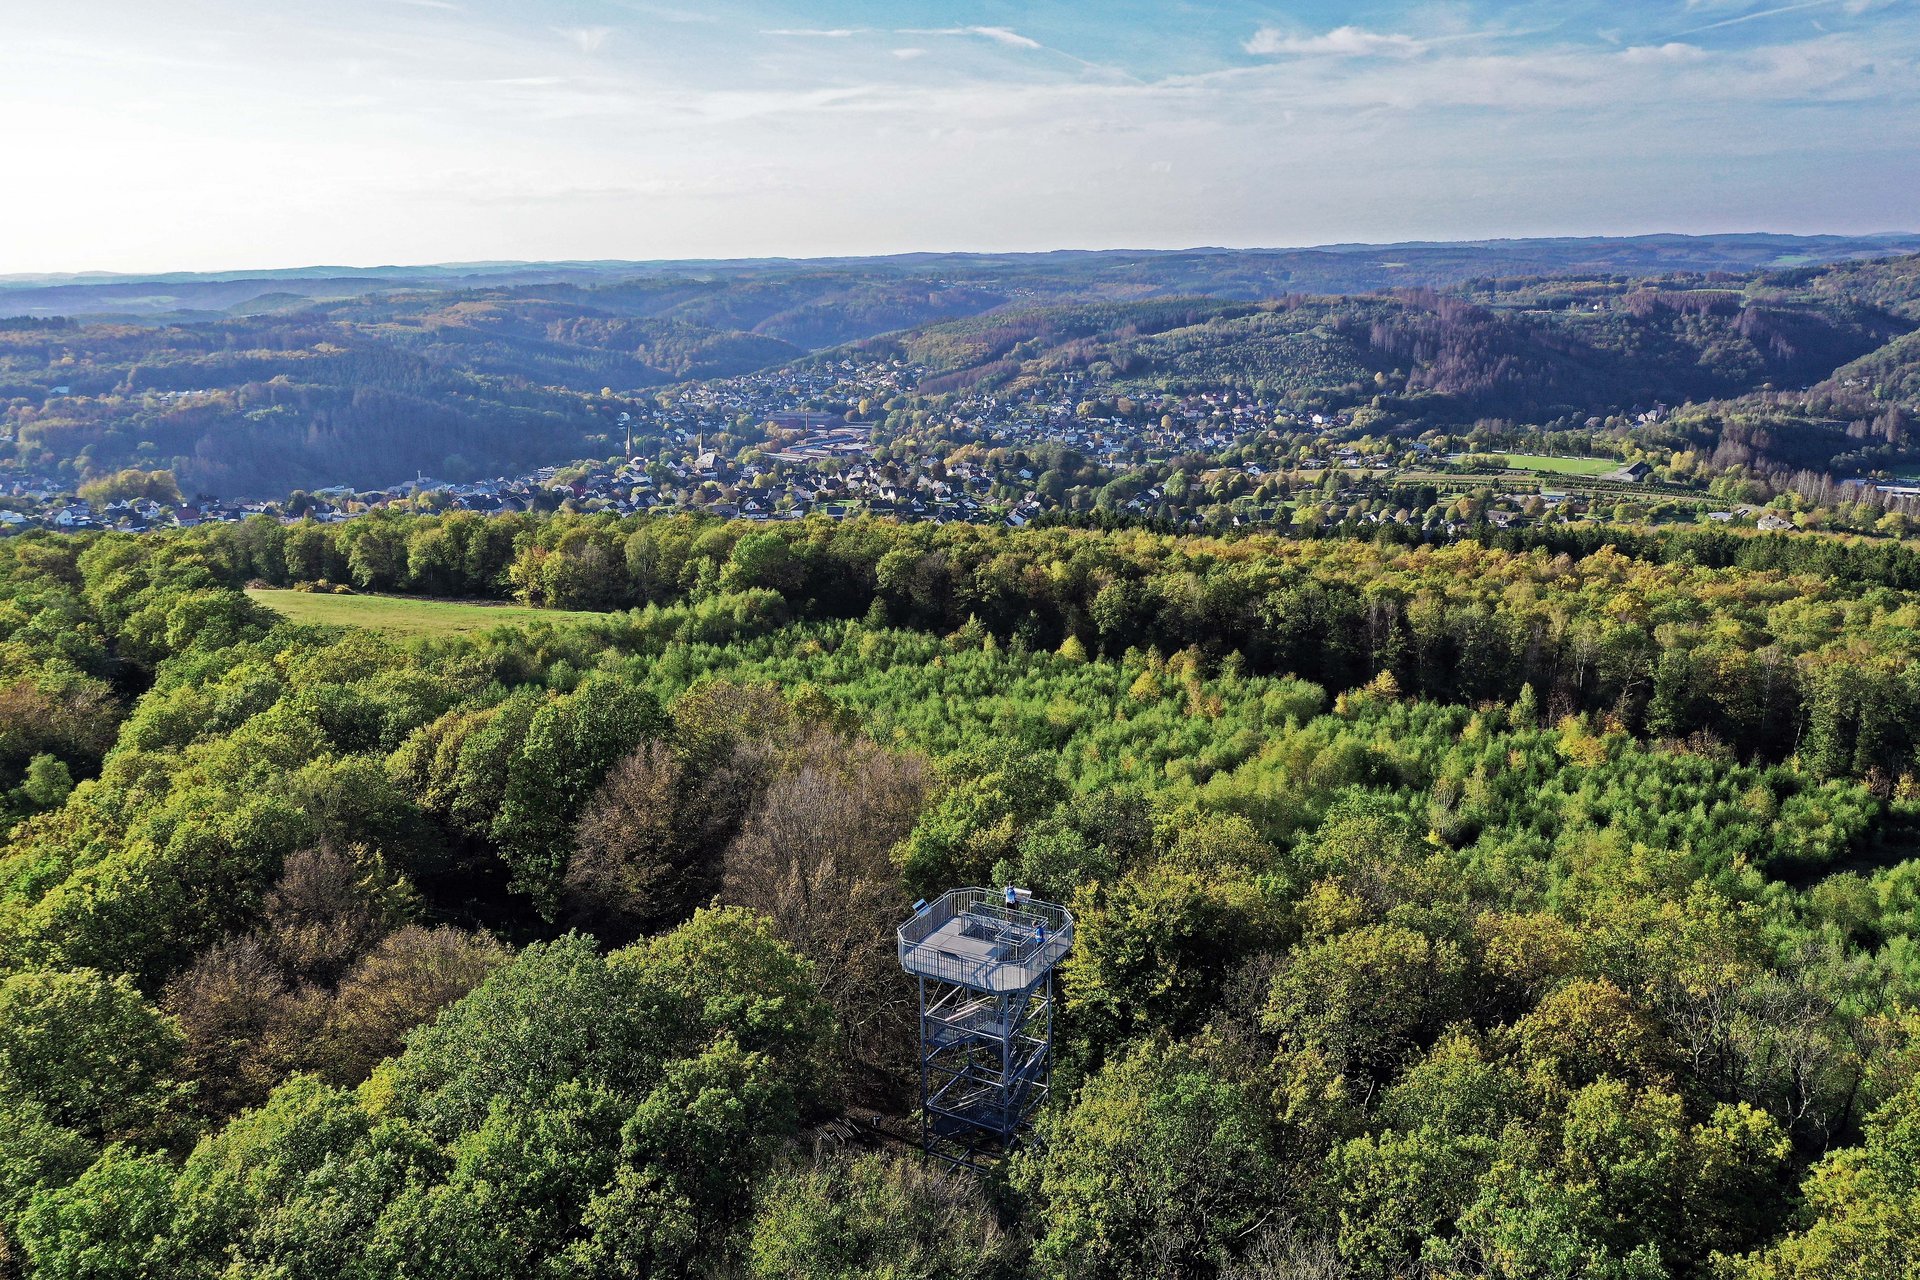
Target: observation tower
{"points": [[984, 959]]}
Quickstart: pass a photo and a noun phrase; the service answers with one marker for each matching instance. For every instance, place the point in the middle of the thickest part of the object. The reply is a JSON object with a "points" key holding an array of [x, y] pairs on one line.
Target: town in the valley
{"points": [[853, 436]]}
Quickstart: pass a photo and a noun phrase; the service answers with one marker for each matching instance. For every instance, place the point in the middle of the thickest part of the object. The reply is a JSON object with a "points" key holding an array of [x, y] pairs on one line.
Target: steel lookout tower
{"points": [[984, 959]]}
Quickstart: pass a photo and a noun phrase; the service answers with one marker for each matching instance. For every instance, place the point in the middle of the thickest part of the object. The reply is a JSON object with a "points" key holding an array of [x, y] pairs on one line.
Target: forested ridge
{"points": [[265, 405], [1535, 906], [367, 391], [1237, 273], [1652, 344], [1802, 370]]}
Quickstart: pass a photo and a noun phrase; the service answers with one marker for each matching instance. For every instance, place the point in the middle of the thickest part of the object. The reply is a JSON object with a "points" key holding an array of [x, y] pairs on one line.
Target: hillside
{"points": [[1651, 344], [288, 393], [1891, 284]]}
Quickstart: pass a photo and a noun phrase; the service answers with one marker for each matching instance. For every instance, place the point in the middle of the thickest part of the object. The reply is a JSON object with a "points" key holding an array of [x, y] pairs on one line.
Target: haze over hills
{"points": [[1239, 273]]}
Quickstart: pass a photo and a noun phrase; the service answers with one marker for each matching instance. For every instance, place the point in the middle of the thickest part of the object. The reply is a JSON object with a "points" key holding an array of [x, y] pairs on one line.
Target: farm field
{"points": [[402, 616]]}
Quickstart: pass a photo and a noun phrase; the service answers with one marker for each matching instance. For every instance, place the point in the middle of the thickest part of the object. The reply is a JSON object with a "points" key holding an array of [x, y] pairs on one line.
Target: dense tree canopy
{"points": [[1472, 911]]}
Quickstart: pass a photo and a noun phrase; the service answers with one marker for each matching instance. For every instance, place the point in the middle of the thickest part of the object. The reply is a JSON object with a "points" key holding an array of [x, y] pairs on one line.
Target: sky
{"points": [[232, 134]]}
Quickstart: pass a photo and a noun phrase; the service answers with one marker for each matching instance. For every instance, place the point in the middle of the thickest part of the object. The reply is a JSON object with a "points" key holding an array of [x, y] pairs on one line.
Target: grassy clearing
{"points": [[1561, 466], [403, 615]]}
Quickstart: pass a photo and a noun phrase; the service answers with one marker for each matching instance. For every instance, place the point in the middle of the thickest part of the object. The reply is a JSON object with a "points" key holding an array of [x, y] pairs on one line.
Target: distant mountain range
{"points": [[1059, 275]]}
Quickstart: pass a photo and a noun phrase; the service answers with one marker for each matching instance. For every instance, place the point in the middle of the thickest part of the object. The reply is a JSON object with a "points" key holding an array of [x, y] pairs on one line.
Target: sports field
{"points": [[403, 615]]}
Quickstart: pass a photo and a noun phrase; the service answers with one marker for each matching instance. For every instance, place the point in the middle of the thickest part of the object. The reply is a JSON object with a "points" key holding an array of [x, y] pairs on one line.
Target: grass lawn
{"points": [[1561, 466], [403, 615]]}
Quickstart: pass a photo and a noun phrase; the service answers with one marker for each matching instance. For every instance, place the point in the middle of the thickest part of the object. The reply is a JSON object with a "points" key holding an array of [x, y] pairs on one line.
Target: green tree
{"points": [[34, 1154], [570, 745], [155, 486], [1862, 1216], [1367, 997], [47, 784], [1154, 952], [1396, 1190], [984, 802], [688, 1155], [875, 1217], [728, 974], [264, 1191], [90, 1050], [377, 556], [111, 1223], [1161, 1166], [557, 1013], [761, 560], [1523, 1226], [1590, 1029]]}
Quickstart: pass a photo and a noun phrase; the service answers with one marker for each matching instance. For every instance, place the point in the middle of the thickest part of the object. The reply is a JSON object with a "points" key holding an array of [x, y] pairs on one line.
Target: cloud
{"points": [[1743, 7], [1671, 52], [1341, 42], [1494, 132], [668, 13], [1572, 79], [1770, 13], [586, 39], [999, 35], [516, 186]]}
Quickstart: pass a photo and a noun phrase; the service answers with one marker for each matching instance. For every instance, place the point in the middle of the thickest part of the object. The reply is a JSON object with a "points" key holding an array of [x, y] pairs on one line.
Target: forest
{"points": [[1463, 359], [1537, 906], [1807, 370]]}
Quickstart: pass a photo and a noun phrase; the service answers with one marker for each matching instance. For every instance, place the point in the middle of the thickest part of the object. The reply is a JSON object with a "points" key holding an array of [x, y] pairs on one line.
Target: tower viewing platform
{"points": [[984, 959], [979, 939]]}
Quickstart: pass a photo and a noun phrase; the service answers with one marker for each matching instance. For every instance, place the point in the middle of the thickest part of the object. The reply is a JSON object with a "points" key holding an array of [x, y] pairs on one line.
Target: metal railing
{"points": [[1021, 941]]}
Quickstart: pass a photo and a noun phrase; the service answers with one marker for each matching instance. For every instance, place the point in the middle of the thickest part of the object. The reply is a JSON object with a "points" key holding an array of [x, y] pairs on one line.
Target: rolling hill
{"points": [[281, 391]]}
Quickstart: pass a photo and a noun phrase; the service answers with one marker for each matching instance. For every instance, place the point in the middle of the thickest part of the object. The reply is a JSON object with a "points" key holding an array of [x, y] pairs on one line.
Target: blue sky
{"points": [[203, 134]]}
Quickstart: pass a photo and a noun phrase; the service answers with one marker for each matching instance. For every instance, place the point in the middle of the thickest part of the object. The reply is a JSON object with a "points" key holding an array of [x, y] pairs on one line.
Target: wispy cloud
{"points": [[670, 13], [585, 39], [1494, 130], [999, 35], [1758, 14], [492, 187], [1341, 42], [1004, 37], [1673, 51]]}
